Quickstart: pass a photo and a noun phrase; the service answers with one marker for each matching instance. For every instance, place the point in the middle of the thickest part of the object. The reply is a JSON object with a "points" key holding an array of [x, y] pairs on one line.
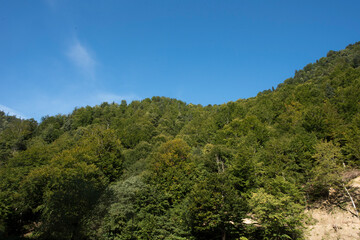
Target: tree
{"points": [[214, 209], [171, 169], [278, 215], [278, 209], [352, 136], [115, 213], [327, 170]]}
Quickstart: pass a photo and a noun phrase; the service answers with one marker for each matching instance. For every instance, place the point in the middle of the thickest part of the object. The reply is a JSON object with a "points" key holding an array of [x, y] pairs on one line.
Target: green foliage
{"points": [[52, 127], [249, 128], [163, 169], [68, 192], [172, 170], [14, 135], [352, 148], [113, 217], [327, 170], [278, 214], [214, 208]]}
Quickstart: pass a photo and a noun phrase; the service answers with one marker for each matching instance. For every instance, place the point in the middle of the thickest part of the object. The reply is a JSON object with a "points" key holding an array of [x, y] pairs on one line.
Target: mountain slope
{"points": [[163, 169]]}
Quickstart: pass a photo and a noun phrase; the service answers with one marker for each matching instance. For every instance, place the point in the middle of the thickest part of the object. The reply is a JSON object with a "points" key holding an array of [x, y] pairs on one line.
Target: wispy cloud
{"points": [[82, 59], [11, 112], [110, 97]]}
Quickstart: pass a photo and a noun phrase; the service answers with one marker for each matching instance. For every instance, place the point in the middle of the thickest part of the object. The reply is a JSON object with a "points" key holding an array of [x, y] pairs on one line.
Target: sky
{"points": [[56, 55]]}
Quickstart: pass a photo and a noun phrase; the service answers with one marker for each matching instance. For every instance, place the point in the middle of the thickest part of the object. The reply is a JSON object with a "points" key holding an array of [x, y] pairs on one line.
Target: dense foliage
{"points": [[162, 169]]}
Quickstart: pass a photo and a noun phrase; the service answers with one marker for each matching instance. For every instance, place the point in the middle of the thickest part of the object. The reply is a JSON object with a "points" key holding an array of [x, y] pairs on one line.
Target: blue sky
{"points": [[56, 55]]}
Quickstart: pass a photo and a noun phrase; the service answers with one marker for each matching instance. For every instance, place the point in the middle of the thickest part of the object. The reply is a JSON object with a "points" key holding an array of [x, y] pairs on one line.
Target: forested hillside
{"points": [[163, 169]]}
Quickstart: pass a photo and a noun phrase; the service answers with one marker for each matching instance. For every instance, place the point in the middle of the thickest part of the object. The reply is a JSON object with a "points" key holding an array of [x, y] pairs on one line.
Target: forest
{"points": [[160, 168]]}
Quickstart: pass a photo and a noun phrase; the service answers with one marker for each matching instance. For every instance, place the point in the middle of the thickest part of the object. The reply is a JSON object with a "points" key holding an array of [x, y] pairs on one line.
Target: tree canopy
{"points": [[163, 169]]}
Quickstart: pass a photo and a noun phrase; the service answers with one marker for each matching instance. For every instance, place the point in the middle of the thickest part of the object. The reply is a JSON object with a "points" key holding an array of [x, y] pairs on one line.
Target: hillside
{"points": [[163, 169]]}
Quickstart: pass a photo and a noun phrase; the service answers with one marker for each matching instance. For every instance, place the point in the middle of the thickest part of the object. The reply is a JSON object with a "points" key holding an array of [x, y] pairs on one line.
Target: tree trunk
{"points": [[352, 201], [223, 235]]}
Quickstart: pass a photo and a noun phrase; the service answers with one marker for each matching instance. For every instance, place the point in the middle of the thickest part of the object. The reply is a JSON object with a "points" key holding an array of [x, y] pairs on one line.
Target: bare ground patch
{"points": [[335, 220]]}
